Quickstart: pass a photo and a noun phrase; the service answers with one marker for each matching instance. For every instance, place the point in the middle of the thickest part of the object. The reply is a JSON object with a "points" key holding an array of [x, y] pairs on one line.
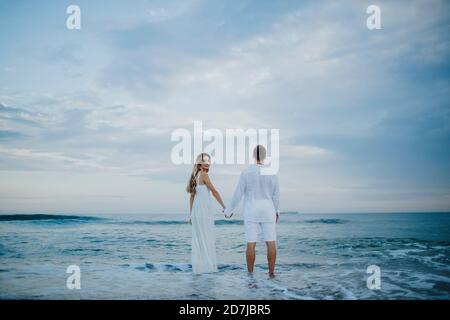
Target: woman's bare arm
{"points": [[204, 176], [191, 201]]}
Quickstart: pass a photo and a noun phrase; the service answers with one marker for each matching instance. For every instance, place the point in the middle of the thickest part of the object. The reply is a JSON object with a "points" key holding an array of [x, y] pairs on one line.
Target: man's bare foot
{"points": [[271, 274]]}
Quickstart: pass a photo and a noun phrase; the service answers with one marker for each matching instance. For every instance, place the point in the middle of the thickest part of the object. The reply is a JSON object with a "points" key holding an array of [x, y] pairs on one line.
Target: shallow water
{"points": [[147, 257]]}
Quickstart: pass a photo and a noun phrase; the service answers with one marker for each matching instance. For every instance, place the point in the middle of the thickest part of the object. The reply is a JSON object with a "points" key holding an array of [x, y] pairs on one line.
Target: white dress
{"points": [[203, 253]]}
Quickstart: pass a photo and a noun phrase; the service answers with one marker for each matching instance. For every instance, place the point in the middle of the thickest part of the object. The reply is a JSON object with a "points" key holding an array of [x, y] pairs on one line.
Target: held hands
{"points": [[226, 216]]}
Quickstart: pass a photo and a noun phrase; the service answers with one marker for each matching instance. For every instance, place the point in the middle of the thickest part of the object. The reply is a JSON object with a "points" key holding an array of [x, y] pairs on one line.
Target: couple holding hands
{"points": [[261, 211]]}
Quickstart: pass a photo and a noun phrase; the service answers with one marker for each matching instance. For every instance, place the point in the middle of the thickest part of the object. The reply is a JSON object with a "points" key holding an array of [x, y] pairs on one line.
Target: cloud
{"points": [[5, 134], [55, 158], [352, 105], [20, 115], [303, 151]]}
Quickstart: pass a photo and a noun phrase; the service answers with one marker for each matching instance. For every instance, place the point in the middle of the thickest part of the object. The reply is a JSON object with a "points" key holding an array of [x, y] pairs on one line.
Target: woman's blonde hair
{"points": [[192, 183]]}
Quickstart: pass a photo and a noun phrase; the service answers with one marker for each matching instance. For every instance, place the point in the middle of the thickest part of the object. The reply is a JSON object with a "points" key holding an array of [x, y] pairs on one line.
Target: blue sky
{"points": [[86, 115]]}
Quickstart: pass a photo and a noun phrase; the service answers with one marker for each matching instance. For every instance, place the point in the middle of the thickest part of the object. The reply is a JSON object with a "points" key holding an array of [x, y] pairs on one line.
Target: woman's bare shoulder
{"points": [[203, 177]]}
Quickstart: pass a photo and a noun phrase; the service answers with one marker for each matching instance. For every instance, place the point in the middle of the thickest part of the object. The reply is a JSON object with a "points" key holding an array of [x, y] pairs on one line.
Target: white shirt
{"points": [[261, 195]]}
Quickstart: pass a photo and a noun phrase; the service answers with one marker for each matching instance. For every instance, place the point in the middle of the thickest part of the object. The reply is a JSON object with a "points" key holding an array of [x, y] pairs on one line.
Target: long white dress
{"points": [[203, 253]]}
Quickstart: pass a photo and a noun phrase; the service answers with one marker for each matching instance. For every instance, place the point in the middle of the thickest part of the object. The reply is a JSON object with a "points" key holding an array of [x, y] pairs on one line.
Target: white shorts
{"points": [[268, 230]]}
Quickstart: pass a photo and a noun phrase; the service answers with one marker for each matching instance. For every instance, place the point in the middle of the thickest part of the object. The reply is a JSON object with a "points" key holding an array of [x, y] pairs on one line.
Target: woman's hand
{"points": [[226, 216]]}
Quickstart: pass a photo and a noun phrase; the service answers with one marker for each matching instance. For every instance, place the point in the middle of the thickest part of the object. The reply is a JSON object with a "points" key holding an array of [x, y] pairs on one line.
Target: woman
{"points": [[201, 216]]}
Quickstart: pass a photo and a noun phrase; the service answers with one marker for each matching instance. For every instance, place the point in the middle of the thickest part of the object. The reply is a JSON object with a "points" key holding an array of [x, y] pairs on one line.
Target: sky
{"points": [[86, 115]]}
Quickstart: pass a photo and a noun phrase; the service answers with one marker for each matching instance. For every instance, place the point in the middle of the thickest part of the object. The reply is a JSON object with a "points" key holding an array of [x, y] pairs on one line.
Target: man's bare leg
{"points": [[271, 256], [250, 255]]}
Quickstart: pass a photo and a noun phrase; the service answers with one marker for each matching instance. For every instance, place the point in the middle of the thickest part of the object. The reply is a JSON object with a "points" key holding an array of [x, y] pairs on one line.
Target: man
{"points": [[261, 208]]}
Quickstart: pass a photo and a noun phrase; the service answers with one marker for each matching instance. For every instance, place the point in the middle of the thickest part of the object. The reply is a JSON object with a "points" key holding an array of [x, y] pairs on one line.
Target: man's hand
{"points": [[226, 216], [278, 217]]}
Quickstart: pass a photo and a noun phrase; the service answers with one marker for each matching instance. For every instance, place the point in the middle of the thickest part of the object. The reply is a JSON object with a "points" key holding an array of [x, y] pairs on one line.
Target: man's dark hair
{"points": [[259, 153]]}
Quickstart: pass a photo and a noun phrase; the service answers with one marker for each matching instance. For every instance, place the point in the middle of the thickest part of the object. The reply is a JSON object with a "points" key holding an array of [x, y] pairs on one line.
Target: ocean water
{"points": [[148, 257]]}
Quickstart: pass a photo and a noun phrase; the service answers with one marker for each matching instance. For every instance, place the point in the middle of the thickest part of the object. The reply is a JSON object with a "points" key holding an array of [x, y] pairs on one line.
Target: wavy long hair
{"points": [[192, 182]]}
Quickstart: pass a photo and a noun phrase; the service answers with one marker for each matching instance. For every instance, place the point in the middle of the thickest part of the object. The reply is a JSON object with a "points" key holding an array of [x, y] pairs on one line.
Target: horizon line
{"points": [[180, 213]]}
